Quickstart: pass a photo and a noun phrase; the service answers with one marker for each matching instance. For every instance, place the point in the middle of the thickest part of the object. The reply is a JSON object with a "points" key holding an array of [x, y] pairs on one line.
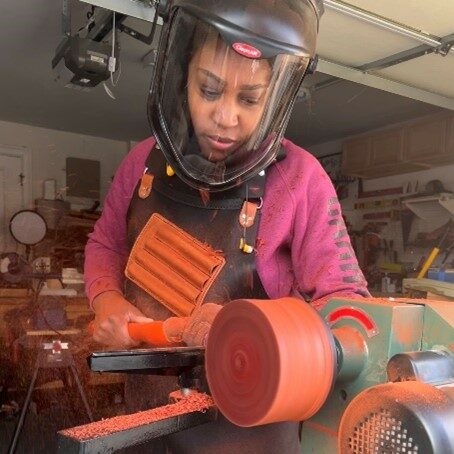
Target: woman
{"points": [[226, 80]]}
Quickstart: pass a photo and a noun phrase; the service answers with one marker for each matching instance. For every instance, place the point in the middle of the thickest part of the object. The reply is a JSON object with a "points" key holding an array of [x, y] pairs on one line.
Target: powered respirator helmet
{"points": [[225, 81]]}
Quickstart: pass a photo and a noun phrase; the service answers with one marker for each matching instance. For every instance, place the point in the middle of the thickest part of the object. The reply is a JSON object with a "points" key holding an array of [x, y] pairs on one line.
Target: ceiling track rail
{"points": [[410, 54]]}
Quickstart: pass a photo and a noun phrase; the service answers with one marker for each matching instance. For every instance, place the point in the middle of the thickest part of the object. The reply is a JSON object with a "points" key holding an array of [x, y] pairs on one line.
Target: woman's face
{"points": [[226, 95]]}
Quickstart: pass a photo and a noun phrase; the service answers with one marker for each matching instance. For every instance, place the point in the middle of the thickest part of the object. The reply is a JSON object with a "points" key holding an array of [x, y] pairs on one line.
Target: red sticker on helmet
{"points": [[246, 50]]}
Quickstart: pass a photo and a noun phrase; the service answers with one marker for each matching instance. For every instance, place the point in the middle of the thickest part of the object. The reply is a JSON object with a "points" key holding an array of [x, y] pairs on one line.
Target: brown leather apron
{"points": [[214, 221]]}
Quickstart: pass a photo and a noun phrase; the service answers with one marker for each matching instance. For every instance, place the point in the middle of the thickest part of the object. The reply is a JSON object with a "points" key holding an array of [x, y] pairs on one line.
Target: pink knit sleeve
{"points": [[324, 260], [107, 249]]}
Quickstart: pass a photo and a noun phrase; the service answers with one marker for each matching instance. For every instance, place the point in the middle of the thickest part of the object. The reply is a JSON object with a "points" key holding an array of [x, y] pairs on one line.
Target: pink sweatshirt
{"points": [[303, 243]]}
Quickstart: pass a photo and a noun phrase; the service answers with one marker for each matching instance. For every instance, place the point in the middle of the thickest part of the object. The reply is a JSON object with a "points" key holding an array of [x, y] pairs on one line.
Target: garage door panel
{"points": [[355, 43], [434, 17], [431, 72]]}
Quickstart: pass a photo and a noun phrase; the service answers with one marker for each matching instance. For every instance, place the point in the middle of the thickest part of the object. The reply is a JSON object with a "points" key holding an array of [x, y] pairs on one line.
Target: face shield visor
{"points": [[218, 107]]}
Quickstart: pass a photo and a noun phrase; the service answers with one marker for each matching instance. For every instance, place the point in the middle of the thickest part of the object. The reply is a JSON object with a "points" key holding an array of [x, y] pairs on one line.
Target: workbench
{"points": [[77, 311], [19, 298], [435, 289]]}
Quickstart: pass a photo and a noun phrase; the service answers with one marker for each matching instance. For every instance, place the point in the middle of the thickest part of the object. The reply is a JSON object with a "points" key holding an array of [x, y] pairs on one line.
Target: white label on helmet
{"points": [[96, 59]]}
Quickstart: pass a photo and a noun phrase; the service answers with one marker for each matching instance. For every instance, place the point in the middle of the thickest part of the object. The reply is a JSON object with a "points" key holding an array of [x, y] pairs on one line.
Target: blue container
{"points": [[436, 273], [449, 276], [441, 274]]}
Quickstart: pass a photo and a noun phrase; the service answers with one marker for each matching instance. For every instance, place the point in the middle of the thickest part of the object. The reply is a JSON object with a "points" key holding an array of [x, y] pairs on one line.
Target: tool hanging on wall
{"points": [[434, 253], [384, 203], [448, 251], [407, 217], [376, 193], [393, 215]]}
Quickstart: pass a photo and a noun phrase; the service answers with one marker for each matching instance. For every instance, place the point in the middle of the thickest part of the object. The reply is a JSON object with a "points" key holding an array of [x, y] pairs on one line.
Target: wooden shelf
{"points": [[416, 145]]}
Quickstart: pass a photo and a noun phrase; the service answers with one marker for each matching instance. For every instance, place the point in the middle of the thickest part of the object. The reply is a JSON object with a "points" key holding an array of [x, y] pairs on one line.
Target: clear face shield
{"points": [[222, 107]]}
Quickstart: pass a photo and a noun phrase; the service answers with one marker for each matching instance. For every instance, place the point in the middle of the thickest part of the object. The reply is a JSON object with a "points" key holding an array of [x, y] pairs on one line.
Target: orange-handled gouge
{"points": [[150, 333], [435, 251]]}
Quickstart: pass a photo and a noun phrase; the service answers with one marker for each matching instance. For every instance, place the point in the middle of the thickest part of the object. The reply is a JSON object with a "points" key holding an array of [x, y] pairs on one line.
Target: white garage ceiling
{"points": [[366, 40], [352, 102]]}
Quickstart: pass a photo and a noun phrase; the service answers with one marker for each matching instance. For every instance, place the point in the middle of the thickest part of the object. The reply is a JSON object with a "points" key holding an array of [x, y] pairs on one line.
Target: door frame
{"points": [[26, 158]]}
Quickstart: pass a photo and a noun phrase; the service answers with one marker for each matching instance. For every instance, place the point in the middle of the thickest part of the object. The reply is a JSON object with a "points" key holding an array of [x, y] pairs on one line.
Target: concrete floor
{"points": [[39, 433], [59, 411]]}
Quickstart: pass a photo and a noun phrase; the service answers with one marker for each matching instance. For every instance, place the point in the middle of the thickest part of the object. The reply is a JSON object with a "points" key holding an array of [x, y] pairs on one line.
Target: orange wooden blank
{"points": [[269, 361]]}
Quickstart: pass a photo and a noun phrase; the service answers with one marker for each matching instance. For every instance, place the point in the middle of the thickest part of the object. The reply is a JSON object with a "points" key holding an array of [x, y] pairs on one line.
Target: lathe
{"points": [[365, 376]]}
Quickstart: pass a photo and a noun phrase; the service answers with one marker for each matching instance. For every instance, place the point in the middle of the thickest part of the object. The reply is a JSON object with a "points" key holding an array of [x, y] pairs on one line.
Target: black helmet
{"points": [[227, 75]]}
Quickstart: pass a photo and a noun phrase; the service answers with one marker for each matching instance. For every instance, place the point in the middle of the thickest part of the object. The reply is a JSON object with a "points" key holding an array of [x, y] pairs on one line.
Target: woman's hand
{"points": [[113, 313], [196, 331]]}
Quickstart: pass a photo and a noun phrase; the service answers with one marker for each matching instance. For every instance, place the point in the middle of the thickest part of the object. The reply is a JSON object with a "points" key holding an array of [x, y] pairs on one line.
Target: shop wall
{"points": [[49, 149], [412, 184]]}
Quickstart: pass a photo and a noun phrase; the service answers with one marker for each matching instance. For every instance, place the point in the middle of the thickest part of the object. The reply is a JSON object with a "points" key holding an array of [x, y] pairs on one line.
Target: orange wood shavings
{"points": [[194, 402]]}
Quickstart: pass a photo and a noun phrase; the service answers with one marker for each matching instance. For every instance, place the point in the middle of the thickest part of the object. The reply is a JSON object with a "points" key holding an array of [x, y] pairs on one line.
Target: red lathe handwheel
{"points": [[269, 361]]}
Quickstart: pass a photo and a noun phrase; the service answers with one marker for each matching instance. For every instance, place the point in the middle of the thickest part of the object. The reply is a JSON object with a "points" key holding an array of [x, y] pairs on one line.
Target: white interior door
{"points": [[12, 196]]}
